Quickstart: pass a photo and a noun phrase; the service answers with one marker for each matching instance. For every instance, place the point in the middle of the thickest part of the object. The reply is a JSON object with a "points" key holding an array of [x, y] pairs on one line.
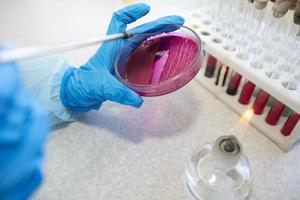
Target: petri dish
{"points": [[157, 64]]}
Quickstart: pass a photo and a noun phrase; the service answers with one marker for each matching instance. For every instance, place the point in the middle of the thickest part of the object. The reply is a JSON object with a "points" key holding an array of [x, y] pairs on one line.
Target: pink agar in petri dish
{"points": [[162, 64]]}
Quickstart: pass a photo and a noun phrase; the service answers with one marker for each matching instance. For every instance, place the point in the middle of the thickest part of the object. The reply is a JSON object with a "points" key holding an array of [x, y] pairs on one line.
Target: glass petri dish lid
{"points": [[157, 64]]}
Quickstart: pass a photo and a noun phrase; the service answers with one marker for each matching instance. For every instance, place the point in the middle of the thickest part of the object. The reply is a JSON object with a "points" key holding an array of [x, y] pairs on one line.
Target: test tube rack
{"points": [[212, 44]]}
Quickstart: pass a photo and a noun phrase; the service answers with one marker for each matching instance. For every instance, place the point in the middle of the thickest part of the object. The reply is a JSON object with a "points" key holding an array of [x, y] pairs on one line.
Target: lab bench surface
{"points": [[125, 153]]}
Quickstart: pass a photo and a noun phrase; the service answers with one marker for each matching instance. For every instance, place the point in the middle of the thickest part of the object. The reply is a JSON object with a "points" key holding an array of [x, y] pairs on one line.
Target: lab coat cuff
{"points": [[61, 112]]}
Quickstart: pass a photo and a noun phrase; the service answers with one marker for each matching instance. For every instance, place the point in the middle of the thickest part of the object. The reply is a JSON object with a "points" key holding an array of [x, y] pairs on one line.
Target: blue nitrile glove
{"points": [[23, 131], [89, 86]]}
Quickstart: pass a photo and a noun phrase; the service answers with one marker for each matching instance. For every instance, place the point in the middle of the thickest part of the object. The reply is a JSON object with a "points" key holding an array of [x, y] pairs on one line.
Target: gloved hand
{"points": [[23, 130], [89, 86]]}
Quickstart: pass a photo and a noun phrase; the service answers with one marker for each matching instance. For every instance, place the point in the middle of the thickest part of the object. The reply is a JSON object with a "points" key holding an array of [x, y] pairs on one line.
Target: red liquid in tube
{"points": [[260, 102], [275, 113], [290, 124], [246, 93]]}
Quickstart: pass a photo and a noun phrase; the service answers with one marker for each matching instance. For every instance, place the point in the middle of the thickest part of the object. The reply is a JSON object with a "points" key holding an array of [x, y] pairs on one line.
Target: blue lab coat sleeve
{"points": [[43, 79], [24, 127]]}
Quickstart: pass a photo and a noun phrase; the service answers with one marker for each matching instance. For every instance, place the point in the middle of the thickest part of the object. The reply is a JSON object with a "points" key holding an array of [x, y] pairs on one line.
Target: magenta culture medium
{"points": [[162, 63]]}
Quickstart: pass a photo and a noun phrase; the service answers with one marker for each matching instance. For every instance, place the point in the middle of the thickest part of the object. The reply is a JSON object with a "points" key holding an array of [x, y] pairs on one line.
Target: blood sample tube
{"points": [[290, 124], [275, 113], [234, 84], [210, 66], [246, 93], [260, 102]]}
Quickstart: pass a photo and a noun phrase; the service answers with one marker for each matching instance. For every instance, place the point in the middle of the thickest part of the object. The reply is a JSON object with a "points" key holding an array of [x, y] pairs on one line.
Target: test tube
{"points": [[293, 63], [241, 24], [255, 50], [260, 102], [242, 20], [234, 84], [216, 6], [228, 19], [254, 29], [225, 76], [220, 75], [247, 91], [290, 124], [275, 113], [210, 66]]}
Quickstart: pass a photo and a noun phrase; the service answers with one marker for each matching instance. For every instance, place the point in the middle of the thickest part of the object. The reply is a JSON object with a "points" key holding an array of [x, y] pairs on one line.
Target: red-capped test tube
{"points": [[275, 113], [260, 102], [290, 124], [247, 91]]}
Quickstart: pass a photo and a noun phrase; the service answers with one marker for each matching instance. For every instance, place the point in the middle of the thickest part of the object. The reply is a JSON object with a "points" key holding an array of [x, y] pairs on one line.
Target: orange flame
{"points": [[247, 116]]}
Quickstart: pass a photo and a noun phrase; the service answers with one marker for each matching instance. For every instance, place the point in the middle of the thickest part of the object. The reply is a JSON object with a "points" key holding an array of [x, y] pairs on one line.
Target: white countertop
{"points": [[124, 153]]}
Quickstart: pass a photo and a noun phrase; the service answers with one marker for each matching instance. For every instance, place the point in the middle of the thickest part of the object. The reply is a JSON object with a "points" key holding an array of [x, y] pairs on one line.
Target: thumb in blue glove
{"points": [[89, 86]]}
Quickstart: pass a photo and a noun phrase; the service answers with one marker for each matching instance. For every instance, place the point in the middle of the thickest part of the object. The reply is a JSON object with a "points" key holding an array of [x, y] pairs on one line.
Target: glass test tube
{"points": [[291, 64]]}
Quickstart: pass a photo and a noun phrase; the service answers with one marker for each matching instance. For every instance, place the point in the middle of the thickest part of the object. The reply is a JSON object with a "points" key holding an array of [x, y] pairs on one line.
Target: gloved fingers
{"points": [[125, 16], [114, 90], [160, 25], [118, 24]]}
